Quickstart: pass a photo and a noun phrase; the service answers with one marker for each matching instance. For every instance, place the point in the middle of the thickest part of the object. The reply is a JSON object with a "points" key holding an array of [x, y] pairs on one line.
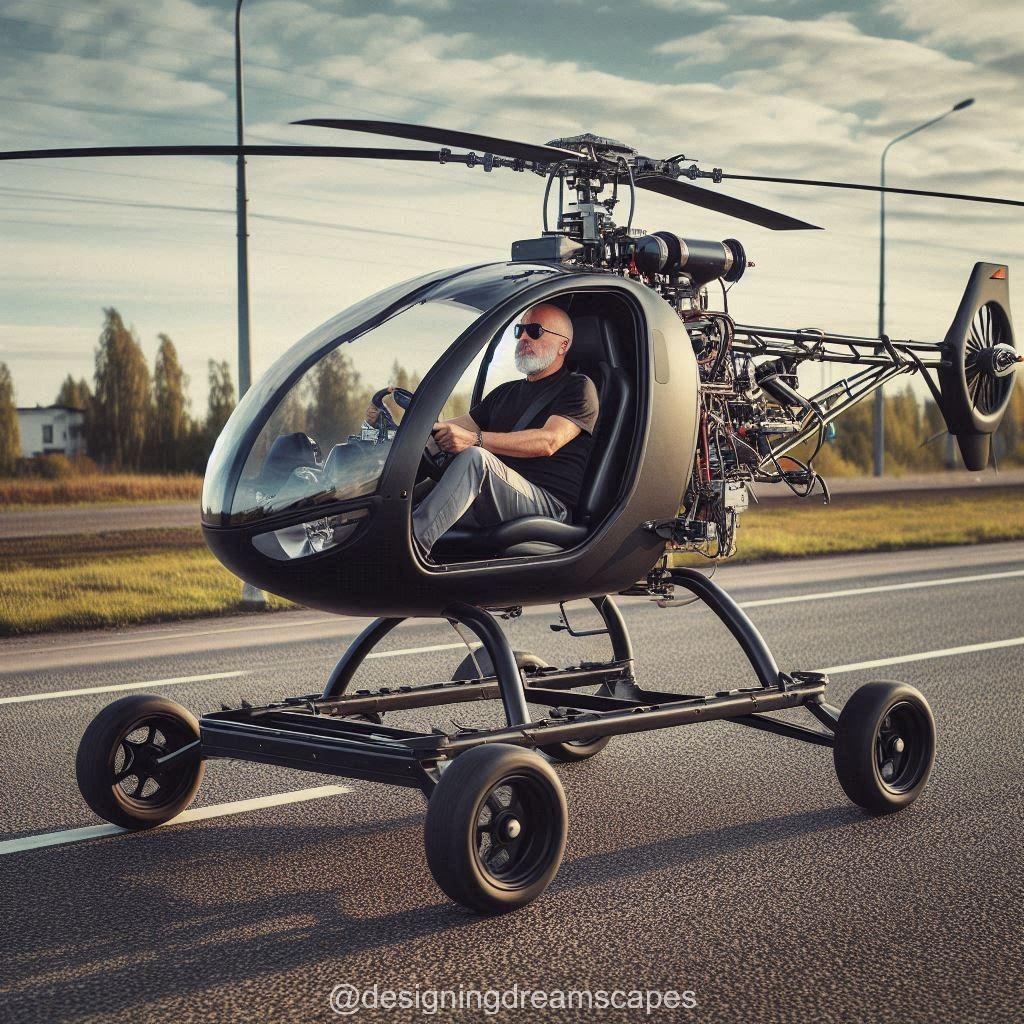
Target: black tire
{"points": [[473, 853], [132, 733], [566, 753], [884, 746]]}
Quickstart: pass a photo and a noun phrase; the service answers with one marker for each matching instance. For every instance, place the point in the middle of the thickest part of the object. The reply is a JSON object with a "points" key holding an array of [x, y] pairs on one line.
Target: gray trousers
{"points": [[479, 490]]}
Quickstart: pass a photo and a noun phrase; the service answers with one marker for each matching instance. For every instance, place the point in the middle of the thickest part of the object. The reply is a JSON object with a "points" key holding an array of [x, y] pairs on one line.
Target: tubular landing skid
{"points": [[341, 733]]}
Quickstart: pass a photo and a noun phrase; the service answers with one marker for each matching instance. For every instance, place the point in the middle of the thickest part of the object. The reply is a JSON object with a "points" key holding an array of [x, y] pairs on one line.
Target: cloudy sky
{"points": [[803, 89]]}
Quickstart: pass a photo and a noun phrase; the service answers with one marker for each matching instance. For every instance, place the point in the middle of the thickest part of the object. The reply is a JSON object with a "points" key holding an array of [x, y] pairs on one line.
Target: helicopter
{"points": [[305, 498]]}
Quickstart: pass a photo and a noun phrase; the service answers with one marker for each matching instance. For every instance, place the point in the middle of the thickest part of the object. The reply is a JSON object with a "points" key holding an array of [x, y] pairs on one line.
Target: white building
{"points": [[50, 429]]}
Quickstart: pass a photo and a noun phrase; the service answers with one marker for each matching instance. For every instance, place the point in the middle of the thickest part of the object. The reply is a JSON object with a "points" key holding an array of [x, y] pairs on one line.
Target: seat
{"points": [[596, 352]]}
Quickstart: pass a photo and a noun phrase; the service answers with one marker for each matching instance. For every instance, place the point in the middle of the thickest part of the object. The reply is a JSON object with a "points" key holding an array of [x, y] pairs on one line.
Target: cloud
{"points": [[690, 6], [991, 29], [425, 5]]}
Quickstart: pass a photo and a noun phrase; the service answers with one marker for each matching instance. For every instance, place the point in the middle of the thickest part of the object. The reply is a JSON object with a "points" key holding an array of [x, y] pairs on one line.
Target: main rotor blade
{"points": [[449, 137], [729, 205], [877, 188], [423, 155]]}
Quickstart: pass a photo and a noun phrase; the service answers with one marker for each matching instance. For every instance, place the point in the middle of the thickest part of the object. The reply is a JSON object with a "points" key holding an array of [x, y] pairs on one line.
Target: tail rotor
{"points": [[979, 359]]}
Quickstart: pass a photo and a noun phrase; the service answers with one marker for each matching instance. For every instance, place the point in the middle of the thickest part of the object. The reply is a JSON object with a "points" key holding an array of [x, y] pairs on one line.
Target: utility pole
{"points": [[252, 597], [241, 199], [879, 411]]}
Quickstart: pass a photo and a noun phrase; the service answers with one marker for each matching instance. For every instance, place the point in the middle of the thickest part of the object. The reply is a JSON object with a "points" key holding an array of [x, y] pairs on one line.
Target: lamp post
{"points": [[241, 199], [879, 447], [252, 597]]}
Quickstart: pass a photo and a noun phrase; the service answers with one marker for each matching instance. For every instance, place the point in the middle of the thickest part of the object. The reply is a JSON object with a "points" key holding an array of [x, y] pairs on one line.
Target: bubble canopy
{"points": [[299, 438]]}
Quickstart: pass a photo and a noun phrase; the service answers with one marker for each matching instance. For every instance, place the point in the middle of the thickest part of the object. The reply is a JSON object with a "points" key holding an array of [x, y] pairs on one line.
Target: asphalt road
{"points": [[713, 859]]}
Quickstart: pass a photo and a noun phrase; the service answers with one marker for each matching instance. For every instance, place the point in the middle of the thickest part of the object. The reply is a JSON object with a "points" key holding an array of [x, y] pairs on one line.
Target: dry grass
{"points": [[794, 529], [116, 590], [83, 582], [97, 489]]}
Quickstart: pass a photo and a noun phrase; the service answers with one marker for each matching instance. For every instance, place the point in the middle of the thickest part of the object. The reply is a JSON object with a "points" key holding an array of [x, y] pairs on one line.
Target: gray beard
{"points": [[528, 364]]}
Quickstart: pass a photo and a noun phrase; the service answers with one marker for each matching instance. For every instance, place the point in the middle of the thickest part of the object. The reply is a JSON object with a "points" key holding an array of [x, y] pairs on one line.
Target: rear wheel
{"points": [[119, 768], [479, 663], [884, 746], [496, 828]]}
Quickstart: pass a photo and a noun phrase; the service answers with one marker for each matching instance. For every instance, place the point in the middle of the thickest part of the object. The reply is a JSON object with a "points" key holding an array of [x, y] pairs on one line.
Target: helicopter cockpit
{"points": [[317, 447], [305, 497]]}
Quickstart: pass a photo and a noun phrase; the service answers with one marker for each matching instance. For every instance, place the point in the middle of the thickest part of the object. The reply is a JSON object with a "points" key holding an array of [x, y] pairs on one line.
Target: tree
{"points": [[10, 435], [336, 402], [170, 424], [221, 401], [121, 407], [75, 394]]}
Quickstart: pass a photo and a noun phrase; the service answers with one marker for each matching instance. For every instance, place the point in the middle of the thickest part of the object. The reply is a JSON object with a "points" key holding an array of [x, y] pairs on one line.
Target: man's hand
{"points": [[372, 412], [450, 437]]}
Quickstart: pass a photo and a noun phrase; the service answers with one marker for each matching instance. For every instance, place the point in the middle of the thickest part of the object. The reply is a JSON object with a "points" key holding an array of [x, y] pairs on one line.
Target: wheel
{"points": [[884, 746], [573, 750], [496, 827], [117, 768]]}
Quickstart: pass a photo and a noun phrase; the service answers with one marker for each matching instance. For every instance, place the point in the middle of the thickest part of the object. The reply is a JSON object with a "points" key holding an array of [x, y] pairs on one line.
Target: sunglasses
{"points": [[534, 331]]}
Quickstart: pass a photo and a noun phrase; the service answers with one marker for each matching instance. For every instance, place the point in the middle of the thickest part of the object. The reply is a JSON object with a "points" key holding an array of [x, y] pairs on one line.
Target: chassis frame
{"points": [[316, 732]]}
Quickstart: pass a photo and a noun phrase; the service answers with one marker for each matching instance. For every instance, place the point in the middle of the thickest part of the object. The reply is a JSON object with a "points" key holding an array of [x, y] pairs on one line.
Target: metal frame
{"points": [[334, 732], [882, 360]]}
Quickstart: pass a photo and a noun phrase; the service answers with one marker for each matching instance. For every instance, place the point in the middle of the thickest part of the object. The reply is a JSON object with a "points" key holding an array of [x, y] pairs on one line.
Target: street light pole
{"points": [[879, 417], [241, 200], [252, 597]]}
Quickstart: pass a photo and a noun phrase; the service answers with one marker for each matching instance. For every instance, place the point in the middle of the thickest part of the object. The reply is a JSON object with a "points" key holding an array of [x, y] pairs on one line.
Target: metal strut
{"points": [[737, 621]]}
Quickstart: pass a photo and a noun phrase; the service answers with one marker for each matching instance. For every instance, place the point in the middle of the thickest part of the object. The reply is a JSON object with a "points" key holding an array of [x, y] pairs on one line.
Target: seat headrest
{"points": [[593, 342]]}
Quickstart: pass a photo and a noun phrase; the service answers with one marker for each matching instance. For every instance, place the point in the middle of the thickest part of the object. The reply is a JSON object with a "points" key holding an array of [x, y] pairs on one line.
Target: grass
{"points": [[792, 529], [83, 582], [20, 494], [115, 588]]}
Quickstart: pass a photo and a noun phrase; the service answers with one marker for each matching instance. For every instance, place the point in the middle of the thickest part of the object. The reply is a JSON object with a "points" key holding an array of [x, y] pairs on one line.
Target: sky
{"points": [[787, 87]]}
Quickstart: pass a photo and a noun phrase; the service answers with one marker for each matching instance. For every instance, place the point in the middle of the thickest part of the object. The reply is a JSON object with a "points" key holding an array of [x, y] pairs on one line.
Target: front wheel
{"points": [[496, 828], [119, 767], [884, 746]]}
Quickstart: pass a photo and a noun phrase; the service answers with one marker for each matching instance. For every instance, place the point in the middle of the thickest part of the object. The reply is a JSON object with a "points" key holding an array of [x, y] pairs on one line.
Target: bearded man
{"points": [[523, 450]]}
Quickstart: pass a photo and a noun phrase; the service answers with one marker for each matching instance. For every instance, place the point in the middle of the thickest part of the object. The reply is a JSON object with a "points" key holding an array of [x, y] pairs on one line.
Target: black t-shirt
{"points": [[573, 396]]}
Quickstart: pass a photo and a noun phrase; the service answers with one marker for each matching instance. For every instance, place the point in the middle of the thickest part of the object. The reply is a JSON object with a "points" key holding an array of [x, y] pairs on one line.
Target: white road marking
{"points": [[825, 595], [25, 698], [77, 835], [420, 650], [155, 634], [903, 659]]}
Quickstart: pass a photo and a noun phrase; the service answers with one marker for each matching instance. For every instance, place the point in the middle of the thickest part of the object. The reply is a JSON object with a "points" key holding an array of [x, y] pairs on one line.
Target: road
{"points": [[713, 859], [84, 519]]}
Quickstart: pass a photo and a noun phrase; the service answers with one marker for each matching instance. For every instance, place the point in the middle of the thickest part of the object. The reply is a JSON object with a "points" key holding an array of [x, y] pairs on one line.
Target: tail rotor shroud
{"points": [[976, 374]]}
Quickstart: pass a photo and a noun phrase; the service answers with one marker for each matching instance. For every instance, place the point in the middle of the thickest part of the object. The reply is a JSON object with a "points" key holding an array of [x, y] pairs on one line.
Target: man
{"points": [[505, 468]]}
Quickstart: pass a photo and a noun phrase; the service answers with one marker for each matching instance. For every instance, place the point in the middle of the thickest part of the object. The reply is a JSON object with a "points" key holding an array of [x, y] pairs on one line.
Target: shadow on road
{"points": [[113, 923]]}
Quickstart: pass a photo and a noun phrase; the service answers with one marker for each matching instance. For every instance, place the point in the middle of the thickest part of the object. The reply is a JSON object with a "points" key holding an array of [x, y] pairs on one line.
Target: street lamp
{"points": [[252, 597], [879, 454], [241, 199]]}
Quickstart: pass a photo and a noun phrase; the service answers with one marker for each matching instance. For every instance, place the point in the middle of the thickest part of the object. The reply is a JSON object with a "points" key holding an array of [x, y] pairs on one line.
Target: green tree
{"points": [[170, 424], [10, 435], [121, 406], [335, 400], [75, 394], [221, 401]]}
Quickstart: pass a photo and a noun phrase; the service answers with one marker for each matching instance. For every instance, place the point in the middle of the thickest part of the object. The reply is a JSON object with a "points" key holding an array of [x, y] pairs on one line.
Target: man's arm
{"points": [[524, 444], [465, 421]]}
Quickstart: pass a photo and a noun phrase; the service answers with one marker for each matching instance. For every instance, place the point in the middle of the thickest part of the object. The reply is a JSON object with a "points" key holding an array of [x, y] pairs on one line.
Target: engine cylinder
{"points": [[702, 261]]}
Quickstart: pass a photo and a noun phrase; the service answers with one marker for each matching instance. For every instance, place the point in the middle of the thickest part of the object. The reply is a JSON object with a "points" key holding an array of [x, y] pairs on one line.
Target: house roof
{"points": [[48, 408]]}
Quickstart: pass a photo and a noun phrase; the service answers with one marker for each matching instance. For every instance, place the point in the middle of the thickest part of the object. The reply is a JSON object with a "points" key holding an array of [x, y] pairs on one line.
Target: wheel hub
{"points": [[509, 828]]}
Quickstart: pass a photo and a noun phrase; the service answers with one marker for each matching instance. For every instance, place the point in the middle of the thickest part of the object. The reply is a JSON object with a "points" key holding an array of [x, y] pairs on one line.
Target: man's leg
{"points": [[496, 493]]}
